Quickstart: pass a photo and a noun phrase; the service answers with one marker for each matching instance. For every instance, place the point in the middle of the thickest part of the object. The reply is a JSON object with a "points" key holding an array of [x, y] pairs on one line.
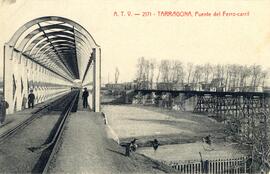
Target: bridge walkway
{"points": [[86, 148]]}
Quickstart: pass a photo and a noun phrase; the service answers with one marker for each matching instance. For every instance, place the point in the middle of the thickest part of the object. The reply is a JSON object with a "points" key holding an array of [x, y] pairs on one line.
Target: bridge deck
{"points": [[12, 120], [176, 92]]}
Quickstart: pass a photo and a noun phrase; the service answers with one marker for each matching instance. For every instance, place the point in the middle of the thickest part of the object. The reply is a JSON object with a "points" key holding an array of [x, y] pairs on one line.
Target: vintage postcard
{"points": [[135, 86]]}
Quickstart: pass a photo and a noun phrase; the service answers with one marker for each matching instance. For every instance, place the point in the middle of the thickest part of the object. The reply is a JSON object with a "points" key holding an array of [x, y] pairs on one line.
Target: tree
{"points": [[256, 71], [207, 69], [176, 72], [230, 77], [158, 74], [197, 74], [264, 77], [140, 64], [165, 70], [116, 75], [189, 71], [244, 74], [145, 73], [152, 66]]}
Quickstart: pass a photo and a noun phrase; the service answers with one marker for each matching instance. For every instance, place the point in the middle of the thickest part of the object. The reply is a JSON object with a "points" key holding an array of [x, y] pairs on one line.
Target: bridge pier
{"points": [[229, 104], [242, 114]]}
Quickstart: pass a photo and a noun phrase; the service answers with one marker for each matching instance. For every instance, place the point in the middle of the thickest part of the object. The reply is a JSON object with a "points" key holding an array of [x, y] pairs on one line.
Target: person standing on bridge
{"points": [[3, 106], [84, 97], [31, 99]]}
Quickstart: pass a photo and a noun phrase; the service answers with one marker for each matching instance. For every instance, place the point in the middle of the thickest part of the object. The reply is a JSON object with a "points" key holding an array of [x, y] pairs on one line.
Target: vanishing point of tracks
{"points": [[31, 145]]}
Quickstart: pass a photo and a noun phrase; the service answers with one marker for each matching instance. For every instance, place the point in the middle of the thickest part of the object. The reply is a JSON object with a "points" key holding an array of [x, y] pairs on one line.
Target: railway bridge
{"points": [[50, 55], [217, 103], [55, 58]]}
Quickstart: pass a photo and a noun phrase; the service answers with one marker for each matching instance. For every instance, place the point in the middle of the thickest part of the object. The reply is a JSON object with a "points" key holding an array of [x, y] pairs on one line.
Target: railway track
{"points": [[36, 114], [35, 155], [54, 140]]}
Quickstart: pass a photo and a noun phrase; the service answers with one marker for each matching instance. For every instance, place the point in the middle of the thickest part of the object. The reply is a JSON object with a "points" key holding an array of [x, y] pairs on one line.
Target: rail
{"points": [[28, 121], [55, 141]]}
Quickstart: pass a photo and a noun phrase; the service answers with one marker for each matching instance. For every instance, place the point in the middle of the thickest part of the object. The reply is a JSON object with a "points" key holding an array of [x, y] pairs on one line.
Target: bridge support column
{"points": [[97, 79]]}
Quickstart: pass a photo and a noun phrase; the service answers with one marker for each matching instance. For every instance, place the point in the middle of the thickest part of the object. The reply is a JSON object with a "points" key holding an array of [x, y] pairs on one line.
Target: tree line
{"points": [[228, 76]]}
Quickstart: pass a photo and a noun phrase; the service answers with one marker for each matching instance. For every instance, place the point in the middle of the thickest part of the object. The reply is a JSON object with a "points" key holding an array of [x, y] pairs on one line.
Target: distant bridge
{"points": [[201, 93], [247, 104]]}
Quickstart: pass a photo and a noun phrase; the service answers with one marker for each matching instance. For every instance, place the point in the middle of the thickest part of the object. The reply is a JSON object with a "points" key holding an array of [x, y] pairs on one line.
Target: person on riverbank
{"points": [[133, 145], [155, 144], [207, 140], [128, 149], [104, 117]]}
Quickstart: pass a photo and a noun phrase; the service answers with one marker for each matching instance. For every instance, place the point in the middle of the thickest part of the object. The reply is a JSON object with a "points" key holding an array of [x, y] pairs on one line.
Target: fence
{"points": [[217, 166]]}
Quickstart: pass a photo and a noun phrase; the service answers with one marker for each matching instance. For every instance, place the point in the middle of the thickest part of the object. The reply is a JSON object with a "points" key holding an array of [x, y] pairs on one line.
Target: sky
{"points": [[123, 39]]}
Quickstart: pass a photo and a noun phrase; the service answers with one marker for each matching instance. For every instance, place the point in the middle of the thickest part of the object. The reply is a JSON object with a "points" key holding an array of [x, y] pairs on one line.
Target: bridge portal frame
{"points": [[23, 71]]}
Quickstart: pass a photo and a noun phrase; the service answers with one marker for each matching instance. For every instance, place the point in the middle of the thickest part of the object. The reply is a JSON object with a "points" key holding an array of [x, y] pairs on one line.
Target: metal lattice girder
{"points": [[72, 73], [78, 33], [49, 37], [38, 42], [63, 33], [45, 43], [58, 44], [50, 53], [54, 69], [39, 51]]}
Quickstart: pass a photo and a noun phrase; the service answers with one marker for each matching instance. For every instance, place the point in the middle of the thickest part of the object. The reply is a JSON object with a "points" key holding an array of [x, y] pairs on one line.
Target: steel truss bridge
{"points": [[48, 55], [220, 103]]}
